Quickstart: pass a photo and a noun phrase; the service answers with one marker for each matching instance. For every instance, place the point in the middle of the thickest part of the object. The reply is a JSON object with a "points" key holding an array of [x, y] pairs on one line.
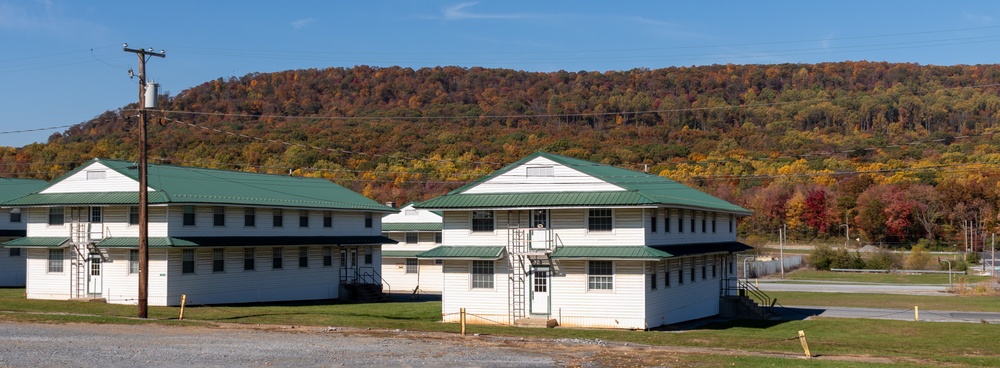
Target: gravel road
{"points": [[86, 345]]}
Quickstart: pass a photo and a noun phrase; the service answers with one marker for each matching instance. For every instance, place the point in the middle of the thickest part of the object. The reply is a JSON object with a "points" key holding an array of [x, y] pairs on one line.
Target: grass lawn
{"points": [[891, 301], [884, 278], [904, 342]]}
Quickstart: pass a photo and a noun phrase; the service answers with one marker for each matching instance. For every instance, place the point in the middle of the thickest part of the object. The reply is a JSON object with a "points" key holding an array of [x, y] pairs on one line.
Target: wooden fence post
{"points": [[805, 345], [183, 301], [916, 313], [461, 313]]}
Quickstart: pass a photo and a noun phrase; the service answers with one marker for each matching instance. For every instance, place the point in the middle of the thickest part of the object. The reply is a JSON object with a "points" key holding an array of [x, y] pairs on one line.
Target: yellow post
{"points": [[916, 313], [755, 284], [805, 345], [461, 313], [183, 300]]}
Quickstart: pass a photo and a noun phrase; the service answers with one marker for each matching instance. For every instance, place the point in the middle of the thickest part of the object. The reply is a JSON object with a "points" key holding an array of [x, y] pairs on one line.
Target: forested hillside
{"points": [[901, 152]]}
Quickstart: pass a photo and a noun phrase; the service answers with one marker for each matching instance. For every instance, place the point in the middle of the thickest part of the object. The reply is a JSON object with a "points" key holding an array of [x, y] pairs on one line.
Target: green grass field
{"points": [[903, 342], [881, 278]]}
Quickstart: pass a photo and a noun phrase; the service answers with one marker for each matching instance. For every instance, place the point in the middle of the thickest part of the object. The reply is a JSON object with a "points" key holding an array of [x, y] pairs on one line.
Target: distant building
{"points": [[413, 231], [561, 240], [216, 236], [12, 225]]}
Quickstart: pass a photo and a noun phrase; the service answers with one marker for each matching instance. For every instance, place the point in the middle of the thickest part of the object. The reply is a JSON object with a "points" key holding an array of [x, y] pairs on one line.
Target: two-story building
{"points": [[414, 231], [216, 236], [583, 244], [12, 226]]}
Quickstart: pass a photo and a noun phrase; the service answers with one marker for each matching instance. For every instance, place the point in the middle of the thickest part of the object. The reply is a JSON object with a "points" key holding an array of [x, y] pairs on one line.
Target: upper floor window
{"points": [[680, 222], [715, 220], [600, 219], [133, 215], [693, 228], [653, 221], [368, 220], [96, 175], [540, 171], [412, 238], [278, 218], [704, 222], [303, 218], [666, 221], [189, 215], [219, 216], [437, 238], [96, 215], [249, 217], [410, 212], [15, 215], [56, 216], [731, 220], [482, 221], [327, 219]]}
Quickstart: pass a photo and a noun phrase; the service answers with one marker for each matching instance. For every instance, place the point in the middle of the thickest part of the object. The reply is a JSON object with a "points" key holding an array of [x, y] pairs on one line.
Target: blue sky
{"points": [[62, 62]]}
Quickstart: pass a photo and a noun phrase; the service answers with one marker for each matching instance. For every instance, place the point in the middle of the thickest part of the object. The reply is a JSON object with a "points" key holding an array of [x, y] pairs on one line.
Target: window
{"points": [[327, 219], [327, 256], [187, 261], [482, 274], [368, 220], [540, 171], [15, 215], [189, 215], [219, 216], [694, 264], [666, 221], [410, 213], [249, 217], [653, 220], [303, 218], [715, 264], [15, 252], [652, 276], [541, 281], [55, 260], [437, 238], [133, 215], [303, 257], [96, 215], [666, 273], [133, 261], [731, 223], [680, 222], [278, 218], [248, 259], [704, 267], [412, 238], [277, 258], [56, 216], [411, 265], [680, 272], [600, 275], [218, 260], [715, 221], [96, 175], [599, 219], [368, 255], [482, 221], [693, 228], [704, 222]]}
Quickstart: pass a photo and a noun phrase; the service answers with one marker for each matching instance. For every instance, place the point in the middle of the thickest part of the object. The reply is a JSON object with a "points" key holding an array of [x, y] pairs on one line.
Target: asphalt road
{"points": [[852, 287], [803, 312]]}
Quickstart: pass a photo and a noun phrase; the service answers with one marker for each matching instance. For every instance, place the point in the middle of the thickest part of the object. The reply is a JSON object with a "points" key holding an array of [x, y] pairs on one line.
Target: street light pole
{"points": [[950, 285]]}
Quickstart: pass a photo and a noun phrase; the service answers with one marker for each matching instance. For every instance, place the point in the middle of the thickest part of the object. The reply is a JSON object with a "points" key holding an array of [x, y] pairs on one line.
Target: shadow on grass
{"points": [[779, 316]]}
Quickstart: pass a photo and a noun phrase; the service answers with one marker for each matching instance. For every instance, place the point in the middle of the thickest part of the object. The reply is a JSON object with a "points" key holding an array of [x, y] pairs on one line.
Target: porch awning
{"points": [[153, 243], [400, 253], [474, 253], [38, 242], [635, 253]]}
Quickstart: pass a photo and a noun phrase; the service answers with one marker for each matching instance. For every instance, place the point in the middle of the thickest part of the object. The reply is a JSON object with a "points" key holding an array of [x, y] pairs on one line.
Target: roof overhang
{"points": [[682, 250], [400, 253], [215, 241], [597, 253], [472, 253], [38, 242]]}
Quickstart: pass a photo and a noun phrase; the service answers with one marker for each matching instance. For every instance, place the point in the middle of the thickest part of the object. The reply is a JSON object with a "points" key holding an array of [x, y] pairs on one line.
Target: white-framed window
{"points": [[219, 216], [96, 215], [600, 275], [412, 238], [666, 220], [482, 274], [277, 258], [187, 261], [731, 220], [303, 218], [327, 256], [277, 218], [680, 272], [694, 265], [410, 212], [219, 260], [327, 219], [666, 273], [437, 238], [55, 260], [189, 215], [249, 259], [97, 175], [411, 265], [483, 221], [704, 267], [303, 257], [133, 215], [704, 222], [249, 217], [369, 221], [368, 255], [680, 221], [15, 215], [57, 216], [653, 275], [600, 219], [546, 171], [715, 222], [133, 261], [653, 220]]}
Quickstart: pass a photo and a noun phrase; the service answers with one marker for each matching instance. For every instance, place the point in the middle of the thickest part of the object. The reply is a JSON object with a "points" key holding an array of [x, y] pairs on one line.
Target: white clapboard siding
{"points": [[5, 223], [425, 241], [42, 284], [517, 181], [622, 307], [115, 222], [483, 306], [112, 181], [569, 225], [683, 302], [12, 268], [344, 223], [722, 231], [396, 280]]}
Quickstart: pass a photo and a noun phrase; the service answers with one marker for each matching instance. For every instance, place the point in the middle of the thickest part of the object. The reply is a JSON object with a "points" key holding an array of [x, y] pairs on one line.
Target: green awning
{"points": [[608, 252], [411, 226], [400, 253], [158, 242], [464, 252], [37, 242]]}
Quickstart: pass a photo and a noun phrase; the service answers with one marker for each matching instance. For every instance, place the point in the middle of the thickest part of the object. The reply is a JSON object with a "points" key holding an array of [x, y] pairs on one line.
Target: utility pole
{"points": [[144, 55]]}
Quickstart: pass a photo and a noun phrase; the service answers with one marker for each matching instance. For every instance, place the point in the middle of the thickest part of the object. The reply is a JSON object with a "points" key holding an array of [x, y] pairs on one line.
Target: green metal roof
{"points": [[56, 199], [411, 226], [464, 252], [639, 189], [15, 188], [610, 252], [153, 243], [178, 184], [400, 253], [37, 242]]}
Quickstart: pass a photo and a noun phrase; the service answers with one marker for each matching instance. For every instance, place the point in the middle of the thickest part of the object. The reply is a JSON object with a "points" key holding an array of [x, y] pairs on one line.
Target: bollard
{"points": [[183, 300], [805, 345], [916, 313], [461, 314]]}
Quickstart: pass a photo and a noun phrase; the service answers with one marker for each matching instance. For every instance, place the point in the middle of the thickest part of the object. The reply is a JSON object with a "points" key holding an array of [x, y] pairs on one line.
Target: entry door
{"points": [[348, 264], [539, 229], [540, 290], [94, 265]]}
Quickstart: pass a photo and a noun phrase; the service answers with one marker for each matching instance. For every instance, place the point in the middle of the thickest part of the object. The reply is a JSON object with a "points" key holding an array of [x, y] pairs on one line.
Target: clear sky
{"points": [[61, 61]]}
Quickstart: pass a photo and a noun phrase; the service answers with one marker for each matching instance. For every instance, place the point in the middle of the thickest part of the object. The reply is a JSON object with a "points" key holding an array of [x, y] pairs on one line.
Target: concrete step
{"points": [[536, 322]]}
